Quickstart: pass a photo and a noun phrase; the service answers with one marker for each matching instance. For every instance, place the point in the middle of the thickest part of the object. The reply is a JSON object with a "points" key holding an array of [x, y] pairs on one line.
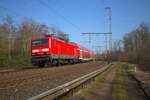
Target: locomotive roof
{"points": [[63, 41]]}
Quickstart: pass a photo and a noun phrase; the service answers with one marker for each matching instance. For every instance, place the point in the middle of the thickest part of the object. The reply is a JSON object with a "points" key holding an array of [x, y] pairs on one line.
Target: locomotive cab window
{"points": [[39, 42]]}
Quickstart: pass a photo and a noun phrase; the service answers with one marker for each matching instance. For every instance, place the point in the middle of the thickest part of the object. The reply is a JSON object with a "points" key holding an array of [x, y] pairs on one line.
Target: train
{"points": [[53, 50]]}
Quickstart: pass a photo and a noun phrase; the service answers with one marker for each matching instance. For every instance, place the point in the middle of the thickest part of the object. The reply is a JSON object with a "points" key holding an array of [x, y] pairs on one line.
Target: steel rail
{"points": [[62, 90]]}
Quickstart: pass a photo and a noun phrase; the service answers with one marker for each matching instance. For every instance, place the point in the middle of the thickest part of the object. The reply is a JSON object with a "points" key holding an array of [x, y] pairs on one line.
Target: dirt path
{"points": [[134, 92], [114, 84], [101, 89], [21, 85], [104, 92]]}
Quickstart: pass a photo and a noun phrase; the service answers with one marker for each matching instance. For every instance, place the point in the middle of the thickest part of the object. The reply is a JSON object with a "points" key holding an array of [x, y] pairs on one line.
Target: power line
{"points": [[89, 33], [58, 14], [47, 6]]}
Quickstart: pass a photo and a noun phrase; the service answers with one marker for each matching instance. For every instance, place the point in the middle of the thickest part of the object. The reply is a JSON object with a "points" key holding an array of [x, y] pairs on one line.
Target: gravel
{"points": [[20, 85]]}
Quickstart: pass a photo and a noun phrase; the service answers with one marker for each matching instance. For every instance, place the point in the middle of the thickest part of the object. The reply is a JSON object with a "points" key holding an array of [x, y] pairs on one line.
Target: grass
{"points": [[119, 88], [89, 91], [16, 62], [130, 68]]}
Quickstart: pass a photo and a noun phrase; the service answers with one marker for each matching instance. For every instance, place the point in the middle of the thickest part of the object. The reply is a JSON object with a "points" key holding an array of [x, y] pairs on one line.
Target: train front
{"points": [[40, 51]]}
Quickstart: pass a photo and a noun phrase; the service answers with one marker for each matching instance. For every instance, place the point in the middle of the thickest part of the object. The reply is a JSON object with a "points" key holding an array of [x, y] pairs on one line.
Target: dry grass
{"points": [[119, 88], [91, 90]]}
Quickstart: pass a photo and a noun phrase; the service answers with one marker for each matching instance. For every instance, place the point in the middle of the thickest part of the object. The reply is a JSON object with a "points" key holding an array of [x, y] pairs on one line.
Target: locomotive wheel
{"points": [[71, 61], [55, 62], [58, 63], [41, 64]]}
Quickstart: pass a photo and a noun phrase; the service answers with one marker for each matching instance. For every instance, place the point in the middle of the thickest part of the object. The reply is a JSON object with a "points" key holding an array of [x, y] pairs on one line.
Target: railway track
{"points": [[69, 87], [61, 82], [23, 84], [10, 71]]}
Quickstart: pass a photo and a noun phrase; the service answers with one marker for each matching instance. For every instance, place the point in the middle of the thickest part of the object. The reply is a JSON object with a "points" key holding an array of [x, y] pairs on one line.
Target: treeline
{"points": [[134, 47], [15, 40]]}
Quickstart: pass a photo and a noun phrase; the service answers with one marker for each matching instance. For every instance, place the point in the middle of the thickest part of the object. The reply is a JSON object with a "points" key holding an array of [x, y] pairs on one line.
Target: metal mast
{"points": [[108, 10], [109, 33]]}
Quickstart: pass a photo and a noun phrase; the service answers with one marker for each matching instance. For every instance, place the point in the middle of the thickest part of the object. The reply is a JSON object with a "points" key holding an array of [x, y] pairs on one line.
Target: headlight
{"points": [[35, 51], [45, 49]]}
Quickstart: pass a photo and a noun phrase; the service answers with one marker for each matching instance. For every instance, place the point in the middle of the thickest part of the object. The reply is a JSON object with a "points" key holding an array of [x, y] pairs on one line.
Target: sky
{"points": [[77, 16]]}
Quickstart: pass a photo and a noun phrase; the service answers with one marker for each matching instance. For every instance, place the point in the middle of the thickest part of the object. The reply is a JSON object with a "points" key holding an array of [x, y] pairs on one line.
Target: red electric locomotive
{"points": [[53, 51]]}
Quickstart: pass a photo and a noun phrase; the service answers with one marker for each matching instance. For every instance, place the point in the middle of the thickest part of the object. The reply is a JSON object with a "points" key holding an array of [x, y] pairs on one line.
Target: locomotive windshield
{"points": [[39, 42]]}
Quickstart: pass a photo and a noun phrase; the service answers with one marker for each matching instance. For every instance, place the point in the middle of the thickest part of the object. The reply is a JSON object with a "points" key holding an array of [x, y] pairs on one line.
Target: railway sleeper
{"points": [[71, 87]]}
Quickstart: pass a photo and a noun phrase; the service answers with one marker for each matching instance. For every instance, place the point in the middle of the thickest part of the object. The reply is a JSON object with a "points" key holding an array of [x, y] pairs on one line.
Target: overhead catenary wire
{"points": [[58, 14], [48, 7]]}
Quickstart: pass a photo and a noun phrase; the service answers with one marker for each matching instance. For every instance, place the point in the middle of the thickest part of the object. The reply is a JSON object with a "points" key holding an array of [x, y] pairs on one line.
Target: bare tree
{"points": [[137, 45], [30, 29]]}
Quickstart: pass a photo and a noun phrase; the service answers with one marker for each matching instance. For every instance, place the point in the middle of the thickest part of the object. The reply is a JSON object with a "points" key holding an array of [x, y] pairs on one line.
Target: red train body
{"points": [[53, 50]]}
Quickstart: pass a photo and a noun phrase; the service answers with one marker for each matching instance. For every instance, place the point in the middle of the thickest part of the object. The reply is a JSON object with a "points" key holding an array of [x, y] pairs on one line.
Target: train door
{"points": [[81, 54]]}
